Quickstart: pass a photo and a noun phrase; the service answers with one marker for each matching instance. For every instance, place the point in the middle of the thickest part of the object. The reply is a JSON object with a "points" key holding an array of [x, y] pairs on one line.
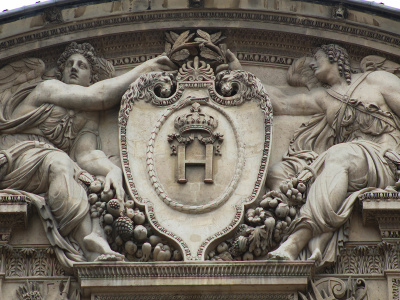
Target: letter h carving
{"points": [[207, 162], [191, 126]]}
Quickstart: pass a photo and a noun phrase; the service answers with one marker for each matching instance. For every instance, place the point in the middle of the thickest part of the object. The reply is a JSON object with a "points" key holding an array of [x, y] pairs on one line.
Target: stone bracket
{"points": [[383, 208], [13, 214]]}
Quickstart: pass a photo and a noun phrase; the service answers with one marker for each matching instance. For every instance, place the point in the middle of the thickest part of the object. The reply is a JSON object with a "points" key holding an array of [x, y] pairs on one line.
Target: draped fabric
{"points": [[366, 132], [27, 169]]}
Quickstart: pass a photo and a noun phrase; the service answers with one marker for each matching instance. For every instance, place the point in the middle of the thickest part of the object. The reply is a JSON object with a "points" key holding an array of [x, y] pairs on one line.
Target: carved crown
{"points": [[195, 120]]}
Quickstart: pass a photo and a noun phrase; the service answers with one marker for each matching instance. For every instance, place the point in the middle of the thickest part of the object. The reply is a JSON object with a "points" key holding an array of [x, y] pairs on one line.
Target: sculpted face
{"points": [[322, 67], [77, 71], [226, 85], [165, 86]]}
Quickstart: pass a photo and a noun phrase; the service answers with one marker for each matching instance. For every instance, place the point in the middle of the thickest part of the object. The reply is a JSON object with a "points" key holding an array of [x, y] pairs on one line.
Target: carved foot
{"points": [[96, 243], [316, 255], [280, 254], [109, 257]]}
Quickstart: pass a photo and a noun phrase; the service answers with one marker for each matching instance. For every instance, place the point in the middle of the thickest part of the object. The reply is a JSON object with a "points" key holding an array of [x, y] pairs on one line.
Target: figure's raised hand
{"points": [[232, 63], [115, 178], [158, 64]]}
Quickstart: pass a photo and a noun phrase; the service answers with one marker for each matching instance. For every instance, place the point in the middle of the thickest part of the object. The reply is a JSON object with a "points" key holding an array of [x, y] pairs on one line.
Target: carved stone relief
{"points": [[194, 187], [396, 288], [53, 15], [336, 289], [289, 208], [29, 291], [45, 158], [197, 107], [32, 290], [154, 16], [31, 262], [321, 148], [339, 12], [366, 259]]}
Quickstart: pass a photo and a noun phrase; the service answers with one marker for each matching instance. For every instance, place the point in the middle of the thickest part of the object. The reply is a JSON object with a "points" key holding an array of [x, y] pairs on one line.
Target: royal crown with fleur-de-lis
{"points": [[195, 120]]}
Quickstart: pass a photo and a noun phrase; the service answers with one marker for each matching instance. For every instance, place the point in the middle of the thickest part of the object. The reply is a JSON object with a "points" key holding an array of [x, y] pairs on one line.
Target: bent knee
{"points": [[345, 155], [60, 163]]}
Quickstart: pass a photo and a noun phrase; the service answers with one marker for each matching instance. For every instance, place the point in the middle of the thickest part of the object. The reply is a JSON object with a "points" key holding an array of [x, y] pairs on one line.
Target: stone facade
{"points": [[130, 175]]}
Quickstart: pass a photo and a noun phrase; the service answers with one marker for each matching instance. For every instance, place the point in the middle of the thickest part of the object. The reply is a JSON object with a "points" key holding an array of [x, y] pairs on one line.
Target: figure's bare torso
{"points": [[368, 93]]}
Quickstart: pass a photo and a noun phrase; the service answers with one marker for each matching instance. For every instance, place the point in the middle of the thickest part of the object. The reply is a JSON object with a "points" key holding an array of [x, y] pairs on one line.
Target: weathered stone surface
{"points": [[195, 195]]}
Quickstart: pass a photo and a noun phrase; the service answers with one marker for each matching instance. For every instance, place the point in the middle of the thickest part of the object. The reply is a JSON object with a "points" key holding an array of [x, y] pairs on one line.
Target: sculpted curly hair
{"points": [[87, 51], [338, 54]]}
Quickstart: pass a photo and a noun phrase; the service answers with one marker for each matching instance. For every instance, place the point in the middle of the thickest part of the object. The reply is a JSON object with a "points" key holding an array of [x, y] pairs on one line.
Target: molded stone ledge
{"points": [[383, 208], [194, 277], [13, 211], [200, 296]]}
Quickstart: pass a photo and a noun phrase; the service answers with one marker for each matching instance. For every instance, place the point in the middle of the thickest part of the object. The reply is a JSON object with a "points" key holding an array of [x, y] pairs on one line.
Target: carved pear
{"points": [[146, 249]]}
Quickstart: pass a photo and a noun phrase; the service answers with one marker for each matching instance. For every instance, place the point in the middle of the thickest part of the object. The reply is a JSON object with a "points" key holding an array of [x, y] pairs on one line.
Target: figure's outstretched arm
{"points": [[99, 96], [95, 161], [301, 104]]}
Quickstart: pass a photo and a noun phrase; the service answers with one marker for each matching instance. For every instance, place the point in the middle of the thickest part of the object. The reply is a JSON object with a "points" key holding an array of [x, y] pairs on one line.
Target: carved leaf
{"points": [[41, 265], [258, 239], [377, 264], [168, 48], [215, 36], [168, 37], [182, 39], [223, 48], [209, 54], [200, 40], [57, 269], [106, 69], [180, 55], [189, 37], [11, 262], [204, 35], [20, 265], [174, 36]]}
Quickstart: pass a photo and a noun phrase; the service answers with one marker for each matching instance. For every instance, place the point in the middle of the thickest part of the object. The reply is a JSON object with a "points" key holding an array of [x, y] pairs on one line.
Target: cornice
{"points": [[344, 31], [194, 269], [37, 8], [233, 277]]}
